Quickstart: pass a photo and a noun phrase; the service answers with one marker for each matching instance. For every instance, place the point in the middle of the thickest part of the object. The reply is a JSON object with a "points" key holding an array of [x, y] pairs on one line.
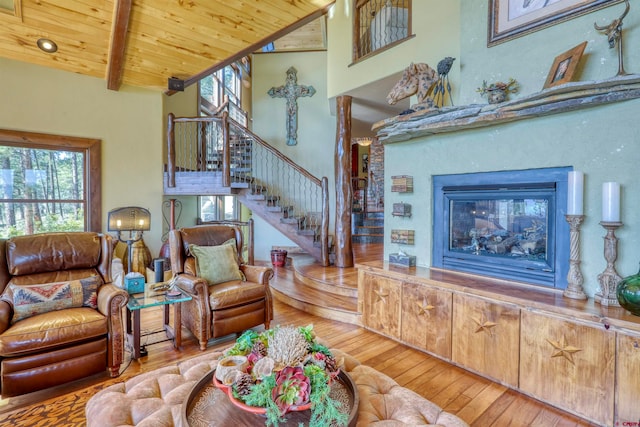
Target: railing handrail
{"points": [[268, 147], [226, 123]]}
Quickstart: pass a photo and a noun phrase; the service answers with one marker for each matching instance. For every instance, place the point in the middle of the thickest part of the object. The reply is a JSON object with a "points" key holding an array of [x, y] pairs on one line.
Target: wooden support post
{"points": [[171, 151], [226, 151], [344, 192]]}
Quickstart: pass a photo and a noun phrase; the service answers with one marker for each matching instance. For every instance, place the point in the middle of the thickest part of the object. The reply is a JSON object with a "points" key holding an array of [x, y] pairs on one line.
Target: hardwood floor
{"points": [[478, 401]]}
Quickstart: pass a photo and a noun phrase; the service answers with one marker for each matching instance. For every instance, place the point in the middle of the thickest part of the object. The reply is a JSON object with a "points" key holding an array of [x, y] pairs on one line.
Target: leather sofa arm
{"points": [[111, 300], [257, 274], [192, 285], [5, 315]]}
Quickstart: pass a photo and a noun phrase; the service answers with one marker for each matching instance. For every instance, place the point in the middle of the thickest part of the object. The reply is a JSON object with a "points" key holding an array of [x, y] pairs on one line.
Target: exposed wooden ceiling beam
{"points": [[115, 65], [250, 49]]}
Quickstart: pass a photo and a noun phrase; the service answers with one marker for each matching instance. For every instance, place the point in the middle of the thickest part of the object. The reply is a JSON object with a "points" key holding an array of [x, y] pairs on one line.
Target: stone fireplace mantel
{"points": [[567, 97]]}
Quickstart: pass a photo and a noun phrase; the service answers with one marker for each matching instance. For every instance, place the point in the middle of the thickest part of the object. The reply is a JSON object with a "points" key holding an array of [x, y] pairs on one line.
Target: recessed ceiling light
{"points": [[47, 45]]}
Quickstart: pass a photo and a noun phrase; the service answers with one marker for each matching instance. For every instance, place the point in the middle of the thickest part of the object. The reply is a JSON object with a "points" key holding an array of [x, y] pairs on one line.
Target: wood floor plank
{"points": [[480, 404], [478, 401], [521, 411]]}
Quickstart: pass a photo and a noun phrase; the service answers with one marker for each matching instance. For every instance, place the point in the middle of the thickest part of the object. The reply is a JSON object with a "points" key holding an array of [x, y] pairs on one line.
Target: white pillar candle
{"points": [[575, 187], [611, 202]]}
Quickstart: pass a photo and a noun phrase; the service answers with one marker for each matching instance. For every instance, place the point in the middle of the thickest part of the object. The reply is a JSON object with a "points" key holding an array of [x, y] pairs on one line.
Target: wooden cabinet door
{"points": [[426, 318], [486, 337], [381, 308], [568, 364], [627, 380]]}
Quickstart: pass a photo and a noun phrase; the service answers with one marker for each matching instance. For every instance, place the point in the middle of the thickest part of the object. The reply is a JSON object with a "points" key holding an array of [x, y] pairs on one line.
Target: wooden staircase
{"points": [[367, 227], [302, 230], [217, 156]]}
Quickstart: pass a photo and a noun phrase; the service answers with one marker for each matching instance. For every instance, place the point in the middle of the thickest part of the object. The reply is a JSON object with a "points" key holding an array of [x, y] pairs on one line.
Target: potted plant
{"points": [[497, 92], [284, 369]]}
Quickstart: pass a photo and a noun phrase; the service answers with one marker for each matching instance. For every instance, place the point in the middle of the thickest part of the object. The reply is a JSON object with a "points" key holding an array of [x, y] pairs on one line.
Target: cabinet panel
{"points": [[426, 318], [569, 365], [627, 379], [486, 337], [381, 308]]}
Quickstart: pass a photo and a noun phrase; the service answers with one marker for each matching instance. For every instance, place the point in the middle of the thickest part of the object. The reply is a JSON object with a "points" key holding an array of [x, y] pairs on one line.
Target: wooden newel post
{"points": [[171, 151], [344, 195], [226, 151]]}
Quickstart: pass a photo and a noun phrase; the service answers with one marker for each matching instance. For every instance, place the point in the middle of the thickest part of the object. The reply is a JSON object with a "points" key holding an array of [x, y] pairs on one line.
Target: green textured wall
{"points": [[316, 126], [436, 30], [602, 141], [129, 123]]}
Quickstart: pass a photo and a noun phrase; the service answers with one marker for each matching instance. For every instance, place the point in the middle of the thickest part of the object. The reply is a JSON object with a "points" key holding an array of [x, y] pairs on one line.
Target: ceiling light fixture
{"points": [[363, 141], [47, 45]]}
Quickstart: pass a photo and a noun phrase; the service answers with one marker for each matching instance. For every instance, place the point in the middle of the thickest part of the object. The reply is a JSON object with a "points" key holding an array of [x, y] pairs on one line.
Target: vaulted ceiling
{"points": [[144, 42]]}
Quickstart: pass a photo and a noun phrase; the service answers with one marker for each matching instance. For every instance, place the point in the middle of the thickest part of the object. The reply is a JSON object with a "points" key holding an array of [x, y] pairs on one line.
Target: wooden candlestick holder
{"points": [[609, 278], [574, 277]]}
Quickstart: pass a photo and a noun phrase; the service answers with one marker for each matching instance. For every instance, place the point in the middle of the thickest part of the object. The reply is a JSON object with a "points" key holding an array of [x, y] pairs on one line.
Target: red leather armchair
{"points": [[224, 308], [67, 342]]}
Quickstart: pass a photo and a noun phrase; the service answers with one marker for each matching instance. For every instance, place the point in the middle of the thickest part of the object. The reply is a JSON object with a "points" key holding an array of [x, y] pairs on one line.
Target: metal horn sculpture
{"points": [[614, 36]]}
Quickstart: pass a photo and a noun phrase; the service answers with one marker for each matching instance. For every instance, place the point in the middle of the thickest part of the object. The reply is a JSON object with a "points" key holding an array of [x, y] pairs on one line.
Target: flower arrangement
{"points": [[286, 370], [510, 86]]}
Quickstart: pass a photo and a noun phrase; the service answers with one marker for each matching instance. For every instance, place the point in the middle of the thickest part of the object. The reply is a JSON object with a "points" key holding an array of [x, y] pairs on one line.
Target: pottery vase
{"points": [[278, 257], [496, 96], [628, 293]]}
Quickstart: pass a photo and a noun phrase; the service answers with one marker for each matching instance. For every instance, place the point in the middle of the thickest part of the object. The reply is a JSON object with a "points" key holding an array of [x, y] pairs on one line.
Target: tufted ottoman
{"points": [[155, 398]]}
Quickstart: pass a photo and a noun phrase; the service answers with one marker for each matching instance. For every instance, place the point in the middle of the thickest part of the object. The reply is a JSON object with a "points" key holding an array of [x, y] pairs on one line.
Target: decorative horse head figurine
{"points": [[416, 78]]}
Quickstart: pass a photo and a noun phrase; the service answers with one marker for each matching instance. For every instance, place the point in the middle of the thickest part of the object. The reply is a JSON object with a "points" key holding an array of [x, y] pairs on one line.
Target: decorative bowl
{"points": [[253, 409]]}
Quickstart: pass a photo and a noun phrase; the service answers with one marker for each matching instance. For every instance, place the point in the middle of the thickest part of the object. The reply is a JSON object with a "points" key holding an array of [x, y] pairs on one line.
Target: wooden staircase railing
{"points": [[244, 161]]}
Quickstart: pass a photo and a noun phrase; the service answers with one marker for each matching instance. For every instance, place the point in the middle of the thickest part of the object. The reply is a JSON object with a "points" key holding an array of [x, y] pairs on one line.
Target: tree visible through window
{"points": [[44, 184], [225, 83]]}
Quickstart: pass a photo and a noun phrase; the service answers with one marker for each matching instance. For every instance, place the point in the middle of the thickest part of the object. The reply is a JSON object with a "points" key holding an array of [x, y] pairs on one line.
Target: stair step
{"points": [[375, 215], [293, 221], [274, 208], [367, 238], [369, 230], [239, 185], [257, 197], [314, 298], [306, 232]]}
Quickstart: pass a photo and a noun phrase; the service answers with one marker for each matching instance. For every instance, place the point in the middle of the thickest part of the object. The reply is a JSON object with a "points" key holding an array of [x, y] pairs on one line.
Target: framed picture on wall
{"points": [[564, 66], [509, 19]]}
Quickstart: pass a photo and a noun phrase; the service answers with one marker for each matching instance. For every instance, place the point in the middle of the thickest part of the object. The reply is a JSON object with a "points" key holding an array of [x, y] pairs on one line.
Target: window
{"points": [[224, 84], [379, 24], [218, 208], [44, 184]]}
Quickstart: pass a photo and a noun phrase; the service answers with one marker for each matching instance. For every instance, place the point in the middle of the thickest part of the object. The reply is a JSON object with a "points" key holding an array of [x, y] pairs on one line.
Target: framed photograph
{"points": [[564, 66], [509, 19]]}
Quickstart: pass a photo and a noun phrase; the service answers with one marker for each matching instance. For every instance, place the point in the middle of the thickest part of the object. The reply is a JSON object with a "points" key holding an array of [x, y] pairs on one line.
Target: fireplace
{"points": [[505, 224]]}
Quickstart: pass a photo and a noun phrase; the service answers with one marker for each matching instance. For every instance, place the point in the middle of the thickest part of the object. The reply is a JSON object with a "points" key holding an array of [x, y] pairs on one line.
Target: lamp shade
{"points": [[131, 218]]}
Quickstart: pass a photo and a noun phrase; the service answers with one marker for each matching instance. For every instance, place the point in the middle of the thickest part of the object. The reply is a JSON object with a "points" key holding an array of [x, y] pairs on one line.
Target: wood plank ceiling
{"points": [[144, 42]]}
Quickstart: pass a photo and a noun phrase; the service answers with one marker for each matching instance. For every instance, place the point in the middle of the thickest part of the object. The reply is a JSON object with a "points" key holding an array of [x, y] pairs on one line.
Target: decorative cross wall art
{"points": [[291, 91]]}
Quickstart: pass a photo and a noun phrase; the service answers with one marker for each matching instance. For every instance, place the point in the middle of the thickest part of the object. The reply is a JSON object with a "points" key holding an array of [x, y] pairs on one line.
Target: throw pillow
{"points": [[217, 264], [30, 300]]}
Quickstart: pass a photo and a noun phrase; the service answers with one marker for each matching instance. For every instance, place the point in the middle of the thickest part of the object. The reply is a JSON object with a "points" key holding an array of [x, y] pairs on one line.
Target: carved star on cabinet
{"points": [[381, 296], [484, 325], [424, 307], [562, 349]]}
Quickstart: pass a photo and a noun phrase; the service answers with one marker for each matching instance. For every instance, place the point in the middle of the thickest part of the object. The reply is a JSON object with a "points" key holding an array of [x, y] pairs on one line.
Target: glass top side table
{"points": [[151, 298]]}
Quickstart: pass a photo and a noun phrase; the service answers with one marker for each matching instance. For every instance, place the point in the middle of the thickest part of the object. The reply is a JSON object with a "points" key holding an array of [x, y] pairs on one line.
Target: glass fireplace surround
{"points": [[507, 224]]}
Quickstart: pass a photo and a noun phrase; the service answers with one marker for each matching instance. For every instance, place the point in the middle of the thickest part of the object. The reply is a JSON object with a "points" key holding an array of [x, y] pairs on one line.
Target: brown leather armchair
{"points": [[224, 308], [69, 341]]}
